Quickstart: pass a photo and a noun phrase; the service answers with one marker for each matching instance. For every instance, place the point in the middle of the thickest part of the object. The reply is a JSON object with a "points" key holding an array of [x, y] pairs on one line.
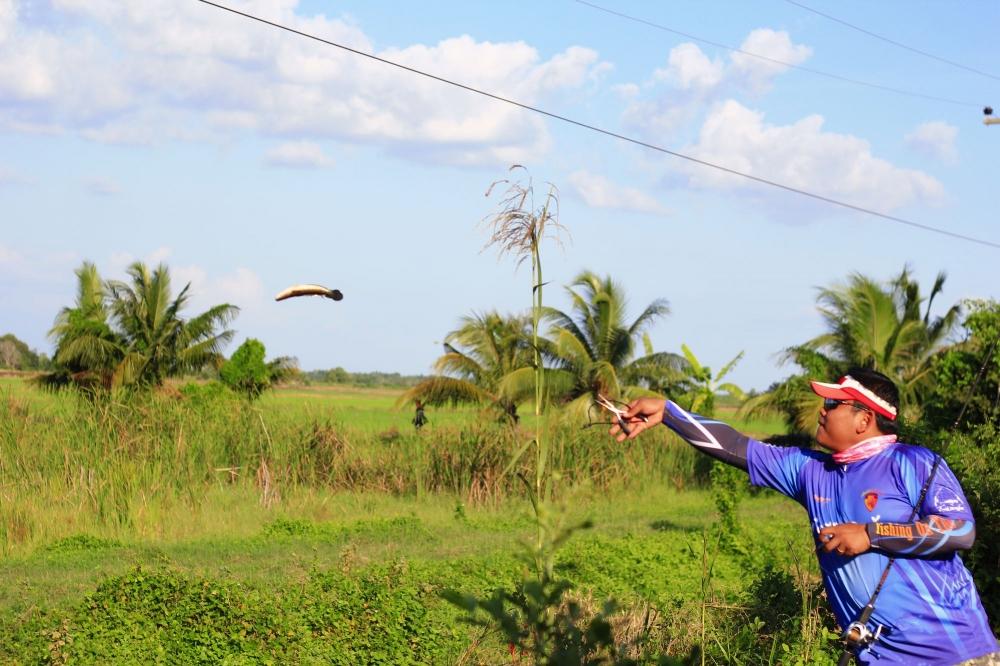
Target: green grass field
{"points": [[154, 536]]}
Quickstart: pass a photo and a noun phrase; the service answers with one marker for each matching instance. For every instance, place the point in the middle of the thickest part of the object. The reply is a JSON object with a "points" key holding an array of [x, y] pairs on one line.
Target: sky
{"points": [[248, 159]]}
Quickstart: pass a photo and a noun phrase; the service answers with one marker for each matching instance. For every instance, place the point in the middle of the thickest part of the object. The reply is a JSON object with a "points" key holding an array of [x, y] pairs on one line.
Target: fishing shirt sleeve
{"points": [[770, 466], [709, 436], [944, 523]]}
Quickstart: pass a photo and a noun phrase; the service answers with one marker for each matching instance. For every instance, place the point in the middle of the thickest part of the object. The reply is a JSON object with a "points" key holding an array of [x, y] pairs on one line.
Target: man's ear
{"points": [[864, 422]]}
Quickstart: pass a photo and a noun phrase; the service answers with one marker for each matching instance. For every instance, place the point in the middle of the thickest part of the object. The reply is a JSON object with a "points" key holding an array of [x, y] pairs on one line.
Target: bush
{"points": [[973, 457], [246, 371]]}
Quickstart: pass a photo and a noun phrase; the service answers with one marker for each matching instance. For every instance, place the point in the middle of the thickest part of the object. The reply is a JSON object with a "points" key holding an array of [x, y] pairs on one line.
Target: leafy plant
{"points": [[704, 386]]}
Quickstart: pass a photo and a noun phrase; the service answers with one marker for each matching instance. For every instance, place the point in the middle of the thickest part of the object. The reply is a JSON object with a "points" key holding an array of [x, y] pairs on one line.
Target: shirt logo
{"points": [[821, 499], [871, 499], [947, 501]]}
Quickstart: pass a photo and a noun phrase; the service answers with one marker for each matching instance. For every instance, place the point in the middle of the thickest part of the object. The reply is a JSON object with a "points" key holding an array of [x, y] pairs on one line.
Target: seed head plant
{"points": [[538, 618]]}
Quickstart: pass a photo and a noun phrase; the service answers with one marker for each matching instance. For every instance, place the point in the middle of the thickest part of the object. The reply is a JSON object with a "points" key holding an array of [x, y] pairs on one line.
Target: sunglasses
{"points": [[830, 404]]}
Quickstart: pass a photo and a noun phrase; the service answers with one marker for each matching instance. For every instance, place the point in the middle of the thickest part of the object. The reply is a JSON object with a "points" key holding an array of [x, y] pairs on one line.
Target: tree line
{"points": [[941, 363]]}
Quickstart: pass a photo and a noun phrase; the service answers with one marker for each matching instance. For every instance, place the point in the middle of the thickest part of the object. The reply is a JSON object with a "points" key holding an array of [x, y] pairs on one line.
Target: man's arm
{"points": [[931, 536], [708, 436]]}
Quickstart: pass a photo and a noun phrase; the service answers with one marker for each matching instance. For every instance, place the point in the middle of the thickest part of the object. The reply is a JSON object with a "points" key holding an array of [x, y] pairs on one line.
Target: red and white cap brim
{"points": [[851, 389]]}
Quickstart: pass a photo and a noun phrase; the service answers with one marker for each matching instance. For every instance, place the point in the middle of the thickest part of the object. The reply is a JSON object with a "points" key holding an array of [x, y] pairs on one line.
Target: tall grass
{"points": [[67, 464]]}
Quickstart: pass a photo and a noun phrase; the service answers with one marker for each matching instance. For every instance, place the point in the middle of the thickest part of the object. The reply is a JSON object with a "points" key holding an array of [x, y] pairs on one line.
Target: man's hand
{"points": [[848, 539], [641, 415]]}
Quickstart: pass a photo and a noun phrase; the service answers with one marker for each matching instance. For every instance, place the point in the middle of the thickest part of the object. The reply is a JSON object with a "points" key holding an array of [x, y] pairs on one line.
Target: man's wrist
{"points": [[871, 529]]}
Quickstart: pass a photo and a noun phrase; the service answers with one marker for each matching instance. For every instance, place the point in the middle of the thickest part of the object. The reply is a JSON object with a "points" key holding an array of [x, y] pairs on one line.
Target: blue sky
{"points": [[249, 159]]}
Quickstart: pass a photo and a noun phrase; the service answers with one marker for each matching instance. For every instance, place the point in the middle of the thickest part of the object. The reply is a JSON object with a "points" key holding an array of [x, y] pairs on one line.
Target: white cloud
{"points": [[935, 140], [599, 192], [101, 186], [803, 156], [689, 67], [691, 81], [298, 154], [758, 74], [161, 70]]}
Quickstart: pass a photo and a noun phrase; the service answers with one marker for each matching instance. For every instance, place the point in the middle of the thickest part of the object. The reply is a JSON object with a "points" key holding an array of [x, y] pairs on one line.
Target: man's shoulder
{"points": [[786, 448], [913, 454]]}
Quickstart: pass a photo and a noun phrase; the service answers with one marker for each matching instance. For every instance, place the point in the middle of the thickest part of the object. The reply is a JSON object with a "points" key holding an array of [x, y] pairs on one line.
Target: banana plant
{"points": [[704, 386]]}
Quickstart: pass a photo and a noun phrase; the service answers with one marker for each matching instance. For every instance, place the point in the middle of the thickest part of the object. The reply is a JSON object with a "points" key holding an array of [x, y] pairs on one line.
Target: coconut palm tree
{"points": [[884, 326], [160, 342], [881, 327], [478, 355], [593, 346], [132, 333], [87, 349]]}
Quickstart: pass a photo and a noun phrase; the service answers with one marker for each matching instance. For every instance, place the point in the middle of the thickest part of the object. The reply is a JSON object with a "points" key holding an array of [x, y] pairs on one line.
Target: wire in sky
{"points": [[838, 77], [895, 43], [599, 130]]}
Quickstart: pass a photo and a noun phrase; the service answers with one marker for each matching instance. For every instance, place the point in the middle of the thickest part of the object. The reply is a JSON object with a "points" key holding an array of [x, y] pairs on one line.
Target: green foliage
{"points": [[973, 457], [729, 486], [702, 386], [538, 620], [81, 542], [967, 375], [379, 617], [245, 372]]}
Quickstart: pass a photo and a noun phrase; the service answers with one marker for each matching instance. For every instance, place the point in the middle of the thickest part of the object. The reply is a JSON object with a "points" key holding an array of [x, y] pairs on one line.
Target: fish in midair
{"points": [[309, 290]]}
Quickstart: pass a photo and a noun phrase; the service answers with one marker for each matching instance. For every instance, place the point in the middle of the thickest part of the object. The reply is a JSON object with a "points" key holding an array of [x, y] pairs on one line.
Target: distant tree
{"points": [[593, 346], [17, 355], [88, 351], [132, 333], [477, 357], [338, 376], [160, 342], [245, 372]]}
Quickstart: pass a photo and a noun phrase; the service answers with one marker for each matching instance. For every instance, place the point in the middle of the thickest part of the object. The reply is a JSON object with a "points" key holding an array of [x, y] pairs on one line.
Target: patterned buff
{"points": [[864, 449]]}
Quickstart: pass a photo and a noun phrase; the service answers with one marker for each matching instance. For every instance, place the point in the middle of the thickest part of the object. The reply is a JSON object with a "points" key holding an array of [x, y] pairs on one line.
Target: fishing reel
{"points": [[858, 636]]}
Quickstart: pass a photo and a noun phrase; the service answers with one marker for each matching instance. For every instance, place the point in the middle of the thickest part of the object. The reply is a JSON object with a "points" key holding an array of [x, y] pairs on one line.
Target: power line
{"points": [[837, 77], [894, 42], [599, 130]]}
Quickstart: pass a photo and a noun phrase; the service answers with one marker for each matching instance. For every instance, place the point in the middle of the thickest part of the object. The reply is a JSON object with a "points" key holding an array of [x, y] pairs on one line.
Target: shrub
{"points": [[246, 371], [973, 457]]}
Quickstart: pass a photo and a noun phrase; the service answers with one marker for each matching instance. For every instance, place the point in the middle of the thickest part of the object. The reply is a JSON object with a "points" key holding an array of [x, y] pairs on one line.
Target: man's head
{"points": [[862, 404]]}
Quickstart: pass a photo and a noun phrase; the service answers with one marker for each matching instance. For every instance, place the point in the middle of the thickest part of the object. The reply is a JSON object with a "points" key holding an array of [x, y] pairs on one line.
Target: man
{"points": [[860, 500]]}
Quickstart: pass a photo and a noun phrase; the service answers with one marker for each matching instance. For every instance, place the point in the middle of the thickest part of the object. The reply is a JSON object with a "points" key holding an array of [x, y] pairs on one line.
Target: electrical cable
{"points": [[599, 130], [895, 43], [837, 77]]}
